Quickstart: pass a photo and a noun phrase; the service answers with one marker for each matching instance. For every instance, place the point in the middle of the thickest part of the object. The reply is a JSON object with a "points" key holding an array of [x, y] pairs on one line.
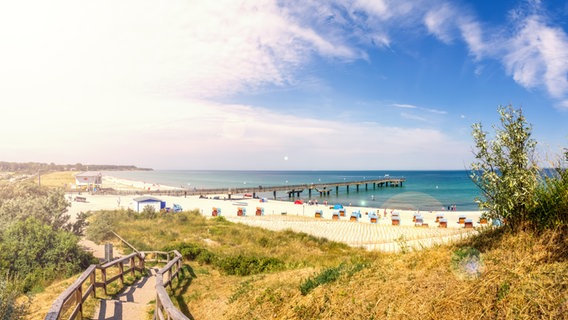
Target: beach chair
{"points": [[461, 219], [355, 215], [443, 223], [468, 224], [418, 221], [216, 212], [342, 212], [373, 217], [319, 214], [395, 220], [483, 221], [259, 211], [438, 217], [335, 215], [241, 212]]}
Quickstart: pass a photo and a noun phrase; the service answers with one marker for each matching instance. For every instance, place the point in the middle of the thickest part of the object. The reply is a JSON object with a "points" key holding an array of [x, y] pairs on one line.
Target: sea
{"points": [[422, 190]]}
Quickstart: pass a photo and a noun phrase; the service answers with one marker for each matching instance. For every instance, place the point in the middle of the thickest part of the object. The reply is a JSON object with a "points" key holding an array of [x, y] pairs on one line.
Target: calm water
{"points": [[423, 190]]}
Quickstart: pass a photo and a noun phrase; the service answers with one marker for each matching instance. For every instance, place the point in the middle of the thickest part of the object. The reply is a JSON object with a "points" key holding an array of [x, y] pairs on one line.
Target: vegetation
{"points": [[515, 190], [34, 167], [10, 307], [506, 171], [38, 244], [497, 275]]}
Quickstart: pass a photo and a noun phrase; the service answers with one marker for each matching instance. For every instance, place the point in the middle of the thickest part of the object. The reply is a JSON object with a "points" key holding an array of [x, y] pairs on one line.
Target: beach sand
{"points": [[283, 215]]}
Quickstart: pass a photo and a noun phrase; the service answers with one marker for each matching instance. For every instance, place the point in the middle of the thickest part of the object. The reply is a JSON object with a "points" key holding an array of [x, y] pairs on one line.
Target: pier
{"points": [[323, 189]]}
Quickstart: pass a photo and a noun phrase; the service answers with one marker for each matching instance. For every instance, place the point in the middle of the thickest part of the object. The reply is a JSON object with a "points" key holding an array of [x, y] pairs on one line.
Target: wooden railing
{"points": [[74, 295], [165, 309], [72, 299]]}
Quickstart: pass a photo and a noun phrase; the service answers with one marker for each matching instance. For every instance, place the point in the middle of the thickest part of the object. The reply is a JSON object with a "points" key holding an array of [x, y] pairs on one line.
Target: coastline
{"points": [[282, 215]]}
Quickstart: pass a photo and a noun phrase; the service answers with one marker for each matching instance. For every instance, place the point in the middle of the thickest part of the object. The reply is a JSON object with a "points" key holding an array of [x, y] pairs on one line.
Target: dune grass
{"points": [[496, 275], [58, 179]]}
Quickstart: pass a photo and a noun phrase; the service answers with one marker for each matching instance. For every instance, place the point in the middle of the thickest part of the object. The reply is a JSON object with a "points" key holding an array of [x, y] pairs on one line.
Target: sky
{"points": [[276, 85]]}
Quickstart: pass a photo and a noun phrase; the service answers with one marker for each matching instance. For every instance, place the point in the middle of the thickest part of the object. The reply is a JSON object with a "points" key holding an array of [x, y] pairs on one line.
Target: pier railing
{"points": [[382, 181]]}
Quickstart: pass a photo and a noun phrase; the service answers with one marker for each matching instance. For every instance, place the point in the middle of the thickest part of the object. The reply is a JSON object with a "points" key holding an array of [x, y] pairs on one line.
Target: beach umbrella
{"points": [[338, 206], [298, 202]]}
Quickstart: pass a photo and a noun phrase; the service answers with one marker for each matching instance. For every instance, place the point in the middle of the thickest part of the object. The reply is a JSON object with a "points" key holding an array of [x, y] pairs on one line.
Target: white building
{"points": [[140, 203], [88, 178]]}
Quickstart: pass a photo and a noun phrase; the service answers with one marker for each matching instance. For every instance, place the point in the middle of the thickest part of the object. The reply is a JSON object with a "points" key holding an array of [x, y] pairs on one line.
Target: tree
{"points": [[505, 170], [21, 201]]}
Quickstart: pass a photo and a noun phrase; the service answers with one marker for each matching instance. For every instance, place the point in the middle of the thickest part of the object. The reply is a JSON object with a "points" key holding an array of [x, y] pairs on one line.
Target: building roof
{"points": [[147, 199], [89, 174]]}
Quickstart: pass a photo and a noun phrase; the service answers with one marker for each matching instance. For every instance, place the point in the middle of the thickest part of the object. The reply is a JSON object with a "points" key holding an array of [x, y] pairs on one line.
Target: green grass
{"points": [[235, 271]]}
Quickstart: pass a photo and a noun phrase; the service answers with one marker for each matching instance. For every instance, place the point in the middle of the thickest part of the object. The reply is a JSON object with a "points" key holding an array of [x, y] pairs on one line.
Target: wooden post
{"points": [[104, 277], [79, 301], [92, 277], [132, 265], [121, 270]]}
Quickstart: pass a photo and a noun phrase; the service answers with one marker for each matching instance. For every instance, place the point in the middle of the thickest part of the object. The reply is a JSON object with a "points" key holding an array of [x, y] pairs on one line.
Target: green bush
{"points": [[10, 308], [192, 251], [241, 265], [331, 274], [102, 223], [551, 204], [326, 276], [38, 254]]}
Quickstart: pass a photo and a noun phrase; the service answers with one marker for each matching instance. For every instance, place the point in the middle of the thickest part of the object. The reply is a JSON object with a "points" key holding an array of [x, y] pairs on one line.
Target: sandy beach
{"points": [[282, 215]]}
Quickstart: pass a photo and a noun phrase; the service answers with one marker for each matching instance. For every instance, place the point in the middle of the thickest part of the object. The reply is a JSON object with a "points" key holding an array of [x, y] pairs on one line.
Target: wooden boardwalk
{"points": [[132, 302]]}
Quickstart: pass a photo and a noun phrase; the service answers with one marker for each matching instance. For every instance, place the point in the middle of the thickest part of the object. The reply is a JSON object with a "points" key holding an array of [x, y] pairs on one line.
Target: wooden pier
{"points": [[324, 189]]}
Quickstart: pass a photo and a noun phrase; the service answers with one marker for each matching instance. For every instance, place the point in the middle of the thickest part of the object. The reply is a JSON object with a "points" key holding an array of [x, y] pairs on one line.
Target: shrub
{"points": [[326, 276], [37, 253], [10, 308], [102, 224], [241, 265], [192, 251], [551, 200], [505, 171]]}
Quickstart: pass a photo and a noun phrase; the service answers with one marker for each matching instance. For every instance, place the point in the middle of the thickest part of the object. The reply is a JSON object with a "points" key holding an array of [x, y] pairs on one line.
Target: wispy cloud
{"points": [[410, 106], [537, 56], [404, 106]]}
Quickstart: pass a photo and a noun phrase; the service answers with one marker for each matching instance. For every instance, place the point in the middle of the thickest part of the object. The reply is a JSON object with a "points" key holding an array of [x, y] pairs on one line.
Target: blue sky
{"points": [[315, 85]]}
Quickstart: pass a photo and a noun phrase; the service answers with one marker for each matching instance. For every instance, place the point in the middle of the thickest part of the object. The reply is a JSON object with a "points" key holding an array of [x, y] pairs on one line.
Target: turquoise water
{"points": [[423, 190]]}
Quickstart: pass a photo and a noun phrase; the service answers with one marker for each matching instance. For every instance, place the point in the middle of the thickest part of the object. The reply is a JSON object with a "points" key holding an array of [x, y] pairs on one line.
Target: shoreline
{"points": [[282, 215], [122, 184]]}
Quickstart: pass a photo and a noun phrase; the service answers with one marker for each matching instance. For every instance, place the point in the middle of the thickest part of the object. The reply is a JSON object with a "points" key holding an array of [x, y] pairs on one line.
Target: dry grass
{"points": [[58, 179], [496, 275]]}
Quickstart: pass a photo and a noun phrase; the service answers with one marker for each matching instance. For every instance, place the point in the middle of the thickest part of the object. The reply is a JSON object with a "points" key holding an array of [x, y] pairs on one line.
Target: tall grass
{"points": [[496, 275]]}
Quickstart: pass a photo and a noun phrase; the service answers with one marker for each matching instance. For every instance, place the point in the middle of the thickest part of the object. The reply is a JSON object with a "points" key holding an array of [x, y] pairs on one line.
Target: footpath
{"points": [[133, 301]]}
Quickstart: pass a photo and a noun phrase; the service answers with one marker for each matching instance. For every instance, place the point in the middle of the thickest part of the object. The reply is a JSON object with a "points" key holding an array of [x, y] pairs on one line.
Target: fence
{"points": [[165, 309], [69, 305]]}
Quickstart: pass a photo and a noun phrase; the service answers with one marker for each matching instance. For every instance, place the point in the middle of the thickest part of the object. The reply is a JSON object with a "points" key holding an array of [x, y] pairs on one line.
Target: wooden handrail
{"points": [[165, 308], [164, 304], [74, 292]]}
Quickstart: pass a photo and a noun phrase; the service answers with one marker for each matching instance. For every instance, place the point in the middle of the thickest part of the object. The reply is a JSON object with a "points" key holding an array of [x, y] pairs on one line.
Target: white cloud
{"points": [[538, 56], [440, 21], [404, 106]]}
